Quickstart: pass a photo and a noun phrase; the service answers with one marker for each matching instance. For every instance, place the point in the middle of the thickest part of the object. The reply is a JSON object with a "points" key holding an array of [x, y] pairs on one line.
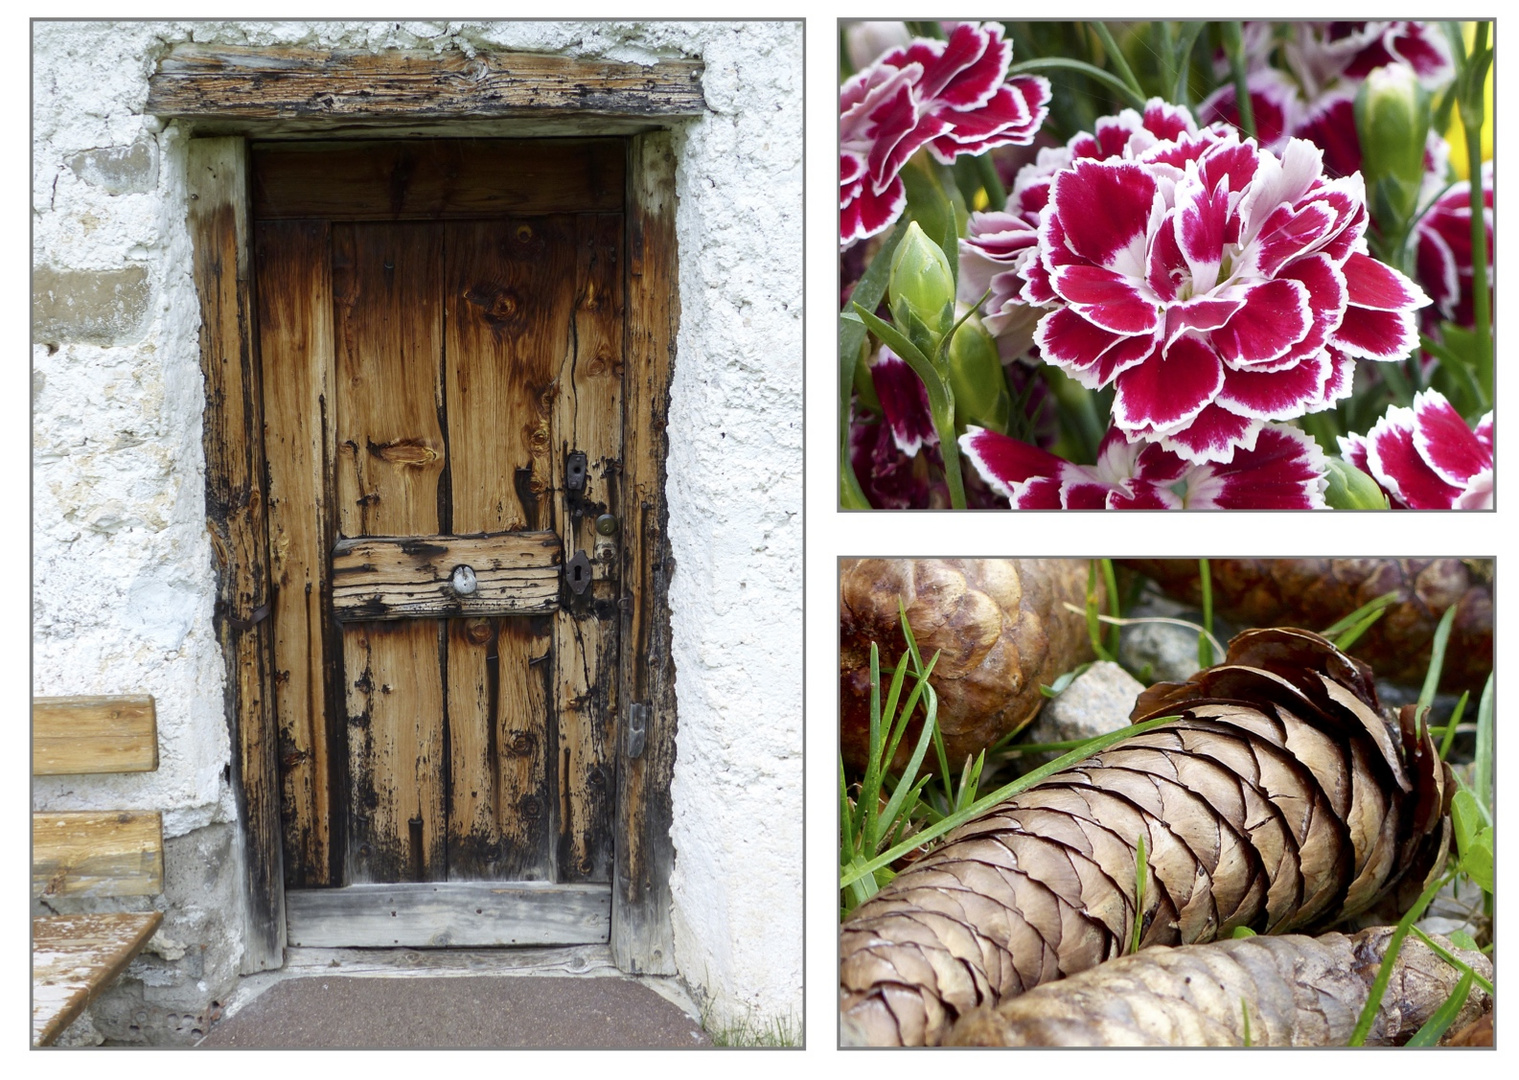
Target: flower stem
{"points": [[1060, 63], [1116, 57], [1473, 109], [1234, 45], [1181, 95]]}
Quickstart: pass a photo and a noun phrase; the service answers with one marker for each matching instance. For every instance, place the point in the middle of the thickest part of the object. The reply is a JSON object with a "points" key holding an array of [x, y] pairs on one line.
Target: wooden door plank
{"points": [[412, 577], [588, 419], [523, 677], [436, 179], [216, 178], [391, 481], [642, 936], [295, 343], [507, 328], [200, 80], [99, 734], [91, 853], [449, 914], [74, 957]]}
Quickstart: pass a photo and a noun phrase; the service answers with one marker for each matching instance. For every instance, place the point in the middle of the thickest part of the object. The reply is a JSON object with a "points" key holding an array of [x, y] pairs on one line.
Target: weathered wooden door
{"points": [[440, 329]]}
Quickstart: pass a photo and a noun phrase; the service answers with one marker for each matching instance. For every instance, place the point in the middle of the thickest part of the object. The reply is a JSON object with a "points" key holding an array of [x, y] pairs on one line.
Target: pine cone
{"points": [[1299, 991], [1320, 592], [1280, 800], [1001, 628]]}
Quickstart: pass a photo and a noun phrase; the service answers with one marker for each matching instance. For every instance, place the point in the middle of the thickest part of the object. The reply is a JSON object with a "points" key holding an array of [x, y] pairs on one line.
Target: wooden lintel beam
{"points": [[239, 82]]}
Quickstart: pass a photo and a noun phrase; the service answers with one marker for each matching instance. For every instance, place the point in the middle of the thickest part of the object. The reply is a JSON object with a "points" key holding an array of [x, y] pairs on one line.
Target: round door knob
{"points": [[606, 524], [463, 581]]}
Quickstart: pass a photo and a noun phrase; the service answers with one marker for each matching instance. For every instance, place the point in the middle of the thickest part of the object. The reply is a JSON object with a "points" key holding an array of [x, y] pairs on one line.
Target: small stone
{"points": [[119, 169], [1098, 701], [96, 307], [1169, 650]]}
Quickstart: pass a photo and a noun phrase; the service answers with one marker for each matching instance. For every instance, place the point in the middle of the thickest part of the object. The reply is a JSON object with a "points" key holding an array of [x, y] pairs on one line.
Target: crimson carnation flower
{"points": [[1284, 471], [953, 97], [1444, 237], [1216, 286], [1426, 458]]}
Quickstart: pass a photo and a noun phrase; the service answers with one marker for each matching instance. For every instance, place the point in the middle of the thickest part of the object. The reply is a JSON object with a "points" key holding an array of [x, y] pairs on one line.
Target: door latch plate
{"points": [[578, 572]]}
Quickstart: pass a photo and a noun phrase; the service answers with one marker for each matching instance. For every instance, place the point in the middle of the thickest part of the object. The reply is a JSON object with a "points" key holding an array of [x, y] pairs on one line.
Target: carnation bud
{"points": [[1351, 489], [921, 283], [1392, 120], [975, 375]]}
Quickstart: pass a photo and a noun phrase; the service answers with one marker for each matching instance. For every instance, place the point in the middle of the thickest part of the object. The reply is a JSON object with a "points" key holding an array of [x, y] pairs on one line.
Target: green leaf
{"points": [[1477, 860], [1442, 1018], [1466, 816], [868, 293], [1242, 932]]}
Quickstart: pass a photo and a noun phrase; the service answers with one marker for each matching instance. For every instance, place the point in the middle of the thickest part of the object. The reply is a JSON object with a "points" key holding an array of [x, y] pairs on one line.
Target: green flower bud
{"points": [[1351, 489], [1392, 120], [975, 375], [921, 284]]}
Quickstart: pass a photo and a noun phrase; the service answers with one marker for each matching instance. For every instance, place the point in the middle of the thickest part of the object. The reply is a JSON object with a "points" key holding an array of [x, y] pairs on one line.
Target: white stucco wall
{"points": [[122, 564]]}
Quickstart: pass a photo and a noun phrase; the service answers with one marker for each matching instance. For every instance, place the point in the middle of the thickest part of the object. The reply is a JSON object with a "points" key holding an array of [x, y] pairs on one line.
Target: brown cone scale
{"points": [[1280, 800], [1000, 626]]}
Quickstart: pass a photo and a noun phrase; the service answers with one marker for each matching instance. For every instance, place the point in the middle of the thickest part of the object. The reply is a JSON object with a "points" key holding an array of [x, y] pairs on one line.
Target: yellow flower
{"points": [[1455, 134]]}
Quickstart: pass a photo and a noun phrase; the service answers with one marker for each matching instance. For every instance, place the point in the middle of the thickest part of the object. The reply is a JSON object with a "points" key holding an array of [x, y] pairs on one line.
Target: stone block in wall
{"points": [[120, 170], [92, 307]]}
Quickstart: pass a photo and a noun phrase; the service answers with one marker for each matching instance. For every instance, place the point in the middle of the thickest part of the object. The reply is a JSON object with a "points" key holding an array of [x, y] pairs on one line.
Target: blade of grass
{"points": [[1482, 774], [1148, 619], [1442, 1018], [1110, 580], [1450, 728], [1454, 960], [1245, 1008], [1093, 615], [1204, 646], [1141, 875], [1436, 658], [1358, 614], [1384, 973], [1351, 636], [1007, 791]]}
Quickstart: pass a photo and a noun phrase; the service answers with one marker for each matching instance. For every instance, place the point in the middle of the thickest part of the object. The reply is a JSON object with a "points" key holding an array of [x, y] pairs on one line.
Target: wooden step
{"points": [[74, 957]]}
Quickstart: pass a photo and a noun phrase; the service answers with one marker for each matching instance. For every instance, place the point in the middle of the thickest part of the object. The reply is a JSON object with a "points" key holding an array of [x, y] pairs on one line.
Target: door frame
{"points": [[229, 99]]}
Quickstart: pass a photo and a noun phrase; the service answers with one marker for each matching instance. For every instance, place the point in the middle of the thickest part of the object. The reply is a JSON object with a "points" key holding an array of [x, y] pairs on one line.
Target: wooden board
{"points": [[391, 481], [412, 577], [295, 318], [238, 81], [446, 914], [117, 734], [436, 179], [588, 418], [74, 957], [642, 936], [232, 436], [86, 853]]}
